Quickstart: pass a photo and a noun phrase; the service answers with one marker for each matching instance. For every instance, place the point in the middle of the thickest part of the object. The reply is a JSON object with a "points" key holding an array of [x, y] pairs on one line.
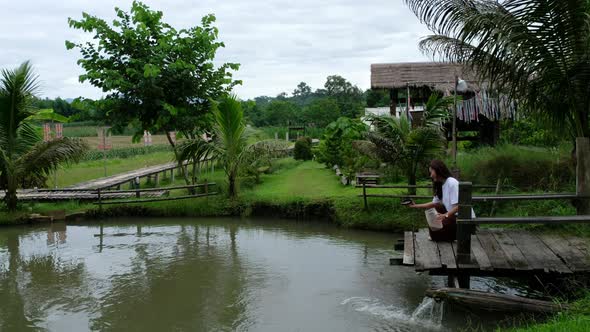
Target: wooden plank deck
{"points": [[500, 252], [121, 178]]}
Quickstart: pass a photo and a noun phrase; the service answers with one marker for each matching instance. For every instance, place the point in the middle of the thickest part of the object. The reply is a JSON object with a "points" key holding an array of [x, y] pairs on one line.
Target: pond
{"points": [[213, 275]]}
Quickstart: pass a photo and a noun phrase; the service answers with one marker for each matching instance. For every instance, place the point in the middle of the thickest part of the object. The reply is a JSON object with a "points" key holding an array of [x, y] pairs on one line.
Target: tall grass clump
{"points": [[525, 168]]}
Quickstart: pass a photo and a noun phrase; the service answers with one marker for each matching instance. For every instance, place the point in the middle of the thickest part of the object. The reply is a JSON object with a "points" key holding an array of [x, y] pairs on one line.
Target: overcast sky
{"points": [[278, 43]]}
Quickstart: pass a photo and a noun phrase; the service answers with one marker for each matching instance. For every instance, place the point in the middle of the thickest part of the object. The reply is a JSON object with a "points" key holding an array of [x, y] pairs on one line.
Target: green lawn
{"points": [[300, 180]]}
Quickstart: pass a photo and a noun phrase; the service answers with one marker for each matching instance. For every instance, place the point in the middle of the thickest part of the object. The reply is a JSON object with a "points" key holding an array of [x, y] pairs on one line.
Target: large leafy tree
{"points": [[321, 112], [163, 77], [349, 97], [24, 159], [536, 51], [280, 112]]}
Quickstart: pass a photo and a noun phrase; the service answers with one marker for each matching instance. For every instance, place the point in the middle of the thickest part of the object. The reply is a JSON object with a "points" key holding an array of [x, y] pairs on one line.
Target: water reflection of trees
{"points": [[30, 283], [202, 285]]}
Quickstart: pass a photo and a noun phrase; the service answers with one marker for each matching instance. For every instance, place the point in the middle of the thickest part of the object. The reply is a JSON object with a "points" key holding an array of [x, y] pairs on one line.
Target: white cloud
{"points": [[279, 43]]}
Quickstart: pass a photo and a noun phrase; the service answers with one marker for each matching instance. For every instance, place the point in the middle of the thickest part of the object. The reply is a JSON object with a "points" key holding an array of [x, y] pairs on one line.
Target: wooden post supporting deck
{"points": [[99, 199], [583, 174], [365, 195], [464, 230], [137, 185]]}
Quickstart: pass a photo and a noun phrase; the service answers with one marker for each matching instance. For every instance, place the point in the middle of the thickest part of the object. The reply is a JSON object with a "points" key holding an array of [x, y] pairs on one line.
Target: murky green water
{"points": [[207, 275]]}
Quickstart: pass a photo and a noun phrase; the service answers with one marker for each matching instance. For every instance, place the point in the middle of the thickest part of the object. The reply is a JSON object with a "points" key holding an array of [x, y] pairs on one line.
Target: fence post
{"points": [[99, 200], [583, 175], [464, 230], [206, 187], [365, 195], [137, 194]]}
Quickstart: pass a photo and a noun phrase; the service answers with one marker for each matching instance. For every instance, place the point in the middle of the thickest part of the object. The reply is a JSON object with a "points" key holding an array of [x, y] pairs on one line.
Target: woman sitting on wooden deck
{"points": [[445, 201]]}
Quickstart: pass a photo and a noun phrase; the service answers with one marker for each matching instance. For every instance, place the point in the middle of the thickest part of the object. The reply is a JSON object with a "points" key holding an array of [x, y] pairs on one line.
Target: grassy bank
{"points": [[304, 190], [576, 319]]}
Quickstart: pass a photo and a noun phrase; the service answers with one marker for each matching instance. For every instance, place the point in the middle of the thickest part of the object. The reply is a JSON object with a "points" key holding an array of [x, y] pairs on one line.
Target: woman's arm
{"points": [[454, 210], [423, 205]]}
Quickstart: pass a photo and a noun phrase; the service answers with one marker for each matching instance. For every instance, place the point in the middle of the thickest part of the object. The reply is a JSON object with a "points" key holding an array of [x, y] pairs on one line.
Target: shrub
{"points": [[302, 150], [522, 167]]}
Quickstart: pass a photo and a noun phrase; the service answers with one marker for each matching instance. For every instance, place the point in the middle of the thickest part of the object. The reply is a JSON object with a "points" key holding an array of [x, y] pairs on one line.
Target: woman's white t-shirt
{"points": [[450, 195]]}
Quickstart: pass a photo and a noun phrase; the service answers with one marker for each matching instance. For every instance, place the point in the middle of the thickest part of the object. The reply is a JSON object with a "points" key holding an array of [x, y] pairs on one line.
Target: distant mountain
{"points": [[69, 100]]}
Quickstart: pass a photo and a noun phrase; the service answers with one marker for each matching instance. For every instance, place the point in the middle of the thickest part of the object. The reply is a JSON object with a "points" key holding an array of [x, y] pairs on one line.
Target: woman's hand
{"points": [[440, 217]]}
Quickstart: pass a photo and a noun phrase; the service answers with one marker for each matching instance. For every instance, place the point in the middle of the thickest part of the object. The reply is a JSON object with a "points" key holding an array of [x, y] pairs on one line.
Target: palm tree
{"points": [[24, 158], [395, 142], [534, 51], [230, 145]]}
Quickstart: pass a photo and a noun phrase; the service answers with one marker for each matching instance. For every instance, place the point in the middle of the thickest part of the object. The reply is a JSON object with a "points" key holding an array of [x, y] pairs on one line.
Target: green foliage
{"points": [[59, 106], [230, 144], [575, 319], [80, 131], [155, 76], [349, 97], [321, 112], [280, 112], [335, 148], [24, 159], [535, 51], [377, 97], [124, 153], [395, 143], [317, 109], [522, 167], [302, 150], [529, 131], [270, 131], [260, 157]]}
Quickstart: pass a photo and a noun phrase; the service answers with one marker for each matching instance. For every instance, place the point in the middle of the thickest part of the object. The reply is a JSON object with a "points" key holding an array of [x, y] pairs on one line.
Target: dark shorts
{"points": [[449, 230]]}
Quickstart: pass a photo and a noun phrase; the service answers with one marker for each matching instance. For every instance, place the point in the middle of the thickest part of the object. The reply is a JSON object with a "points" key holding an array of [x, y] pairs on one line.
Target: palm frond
{"points": [[17, 88], [534, 51], [368, 148], [196, 149], [45, 157], [436, 110], [230, 126]]}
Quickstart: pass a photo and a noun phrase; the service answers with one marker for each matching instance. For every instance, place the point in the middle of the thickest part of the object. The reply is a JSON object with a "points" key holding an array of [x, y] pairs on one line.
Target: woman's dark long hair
{"points": [[442, 171]]}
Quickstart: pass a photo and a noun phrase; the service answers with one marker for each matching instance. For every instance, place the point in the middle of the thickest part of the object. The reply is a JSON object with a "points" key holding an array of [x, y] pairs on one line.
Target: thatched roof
{"points": [[440, 76]]}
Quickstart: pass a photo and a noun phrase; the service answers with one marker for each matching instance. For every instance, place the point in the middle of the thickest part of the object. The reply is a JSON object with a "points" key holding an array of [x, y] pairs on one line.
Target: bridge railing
{"points": [[466, 223], [366, 187], [206, 191]]}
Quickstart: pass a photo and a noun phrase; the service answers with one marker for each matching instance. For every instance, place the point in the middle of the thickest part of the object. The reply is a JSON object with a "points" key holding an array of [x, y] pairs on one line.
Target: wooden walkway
{"points": [[121, 178], [499, 252], [33, 195]]}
